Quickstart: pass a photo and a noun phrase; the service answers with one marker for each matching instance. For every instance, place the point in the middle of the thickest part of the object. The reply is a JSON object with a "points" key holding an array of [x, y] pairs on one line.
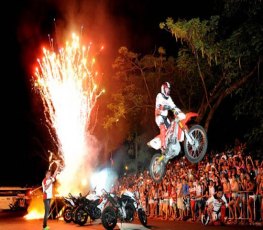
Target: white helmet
{"points": [[165, 89]]}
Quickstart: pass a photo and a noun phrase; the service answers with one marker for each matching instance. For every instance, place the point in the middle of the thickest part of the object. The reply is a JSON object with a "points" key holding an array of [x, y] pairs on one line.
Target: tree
{"points": [[131, 106], [217, 58], [139, 80], [223, 61]]}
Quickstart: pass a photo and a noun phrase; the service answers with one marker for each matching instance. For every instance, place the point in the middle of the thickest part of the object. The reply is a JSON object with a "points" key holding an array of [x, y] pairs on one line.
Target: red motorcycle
{"points": [[194, 140]]}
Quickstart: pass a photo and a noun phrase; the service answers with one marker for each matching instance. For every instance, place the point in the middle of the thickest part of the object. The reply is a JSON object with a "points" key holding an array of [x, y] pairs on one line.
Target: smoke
{"points": [[79, 167], [50, 23], [103, 180], [96, 20]]}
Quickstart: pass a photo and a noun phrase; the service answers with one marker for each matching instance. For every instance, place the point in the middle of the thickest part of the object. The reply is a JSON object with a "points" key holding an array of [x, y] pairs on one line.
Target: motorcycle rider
{"points": [[163, 104]]}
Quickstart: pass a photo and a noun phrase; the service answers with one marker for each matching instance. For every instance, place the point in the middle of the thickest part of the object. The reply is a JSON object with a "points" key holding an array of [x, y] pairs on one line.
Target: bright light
{"points": [[34, 214], [66, 81], [103, 179], [36, 206], [84, 182]]}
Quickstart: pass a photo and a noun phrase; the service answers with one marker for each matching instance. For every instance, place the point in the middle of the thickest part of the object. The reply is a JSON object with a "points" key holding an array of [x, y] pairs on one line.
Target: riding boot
{"points": [[162, 136]]}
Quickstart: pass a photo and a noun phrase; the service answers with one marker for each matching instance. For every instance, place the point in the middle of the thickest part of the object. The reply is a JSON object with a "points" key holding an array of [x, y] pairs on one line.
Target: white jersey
{"points": [[215, 202], [48, 192], [199, 191], [162, 101]]}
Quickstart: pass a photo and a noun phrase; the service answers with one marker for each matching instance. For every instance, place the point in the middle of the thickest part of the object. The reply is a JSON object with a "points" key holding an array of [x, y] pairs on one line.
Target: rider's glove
{"points": [[166, 107], [176, 111], [181, 116], [179, 113]]}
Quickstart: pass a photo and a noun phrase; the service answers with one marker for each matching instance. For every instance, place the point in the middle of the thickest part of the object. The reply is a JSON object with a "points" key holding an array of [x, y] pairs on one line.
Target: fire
{"points": [[67, 83], [34, 214], [36, 207]]}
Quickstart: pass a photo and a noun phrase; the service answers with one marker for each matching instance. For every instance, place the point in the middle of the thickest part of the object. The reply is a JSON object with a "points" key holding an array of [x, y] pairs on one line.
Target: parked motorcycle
{"points": [[92, 206], [118, 208], [134, 199], [123, 208], [71, 204], [194, 139]]}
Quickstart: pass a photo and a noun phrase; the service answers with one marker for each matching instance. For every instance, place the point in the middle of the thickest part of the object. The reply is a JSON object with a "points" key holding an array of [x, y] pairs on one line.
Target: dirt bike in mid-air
{"points": [[194, 141]]}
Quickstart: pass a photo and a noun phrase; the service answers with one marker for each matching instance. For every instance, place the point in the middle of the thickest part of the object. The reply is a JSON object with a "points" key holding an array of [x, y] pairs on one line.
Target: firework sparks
{"points": [[66, 81]]}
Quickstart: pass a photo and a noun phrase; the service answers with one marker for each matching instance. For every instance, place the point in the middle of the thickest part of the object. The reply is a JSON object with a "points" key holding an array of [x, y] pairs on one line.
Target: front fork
{"points": [[185, 130], [161, 158]]}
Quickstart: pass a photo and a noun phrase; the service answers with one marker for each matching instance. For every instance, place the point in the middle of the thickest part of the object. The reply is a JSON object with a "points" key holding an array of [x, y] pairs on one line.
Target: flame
{"points": [[66, 81], [36, 206], [34, 214]]}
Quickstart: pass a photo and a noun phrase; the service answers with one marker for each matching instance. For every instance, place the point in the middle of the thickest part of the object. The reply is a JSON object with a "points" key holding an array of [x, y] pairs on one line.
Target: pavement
{"points": [[16, 221]]}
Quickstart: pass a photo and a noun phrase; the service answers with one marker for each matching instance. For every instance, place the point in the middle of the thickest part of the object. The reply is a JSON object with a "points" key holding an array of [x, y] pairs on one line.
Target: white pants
{"points": [[159, 120]]}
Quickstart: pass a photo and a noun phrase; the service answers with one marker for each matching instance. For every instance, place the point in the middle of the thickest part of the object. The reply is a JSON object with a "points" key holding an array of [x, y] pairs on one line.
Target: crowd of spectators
{"points": [[185, 188]]}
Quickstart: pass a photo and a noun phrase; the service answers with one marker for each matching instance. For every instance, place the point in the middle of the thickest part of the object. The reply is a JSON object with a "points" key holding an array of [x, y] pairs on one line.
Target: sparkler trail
{"points": [[66, 81]]}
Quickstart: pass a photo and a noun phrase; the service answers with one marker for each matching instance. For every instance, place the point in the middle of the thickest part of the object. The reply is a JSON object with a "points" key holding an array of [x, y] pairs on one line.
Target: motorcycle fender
{"points": [[71, 202], [155, 143]]}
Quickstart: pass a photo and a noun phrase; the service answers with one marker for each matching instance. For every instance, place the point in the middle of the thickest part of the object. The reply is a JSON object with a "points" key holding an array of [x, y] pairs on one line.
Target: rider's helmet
{"points": [[165, 89]]}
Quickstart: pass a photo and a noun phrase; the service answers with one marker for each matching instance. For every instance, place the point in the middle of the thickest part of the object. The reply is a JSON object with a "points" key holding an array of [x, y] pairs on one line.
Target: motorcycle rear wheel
{"points": [[196, 152], [157, 168], [109, 218]]}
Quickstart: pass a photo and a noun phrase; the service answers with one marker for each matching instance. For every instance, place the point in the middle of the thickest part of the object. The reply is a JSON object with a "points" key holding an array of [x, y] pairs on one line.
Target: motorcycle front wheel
{"points": [[157, 168], [74, 215], [81, 216], [129, 212], [94, 212], [142, 217], [195, 152], [67, 214], [109, 218]]}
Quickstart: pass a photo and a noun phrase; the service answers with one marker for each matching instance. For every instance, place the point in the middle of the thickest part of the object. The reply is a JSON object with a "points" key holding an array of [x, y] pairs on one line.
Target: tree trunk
{"points": [[202, 78], [136, 151], [227, 92]]}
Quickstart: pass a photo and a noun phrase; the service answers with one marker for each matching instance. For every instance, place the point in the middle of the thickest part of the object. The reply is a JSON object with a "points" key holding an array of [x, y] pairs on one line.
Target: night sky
{"points": [[130, 23]]}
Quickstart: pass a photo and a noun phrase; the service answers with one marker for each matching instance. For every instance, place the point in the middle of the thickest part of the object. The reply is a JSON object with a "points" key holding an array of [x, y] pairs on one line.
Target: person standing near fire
{"points": [[47, 186]]}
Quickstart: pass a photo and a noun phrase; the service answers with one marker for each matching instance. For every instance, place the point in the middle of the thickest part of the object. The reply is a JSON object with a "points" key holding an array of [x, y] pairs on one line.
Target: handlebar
{"points": [[176, 111], [87, 193], [104, 191]]}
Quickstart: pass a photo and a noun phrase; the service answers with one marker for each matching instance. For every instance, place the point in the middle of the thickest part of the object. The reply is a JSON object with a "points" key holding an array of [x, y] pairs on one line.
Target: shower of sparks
{"points": [[66, 81]]}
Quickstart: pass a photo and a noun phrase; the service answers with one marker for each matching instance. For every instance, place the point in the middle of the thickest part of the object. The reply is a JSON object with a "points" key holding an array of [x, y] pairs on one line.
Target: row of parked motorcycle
{"points": [[108, 207]]}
